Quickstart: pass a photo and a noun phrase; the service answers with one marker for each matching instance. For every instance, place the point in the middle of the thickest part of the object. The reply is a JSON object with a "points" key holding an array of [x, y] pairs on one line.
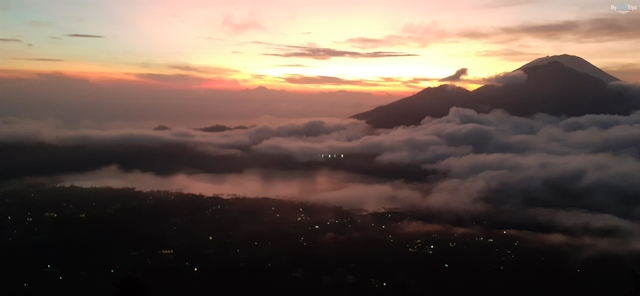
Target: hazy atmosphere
{"points": [[521, 113]]}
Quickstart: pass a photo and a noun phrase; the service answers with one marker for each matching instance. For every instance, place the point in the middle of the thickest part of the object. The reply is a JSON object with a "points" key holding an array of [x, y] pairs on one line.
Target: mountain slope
{"points": [[552, 88], [434, 102]]}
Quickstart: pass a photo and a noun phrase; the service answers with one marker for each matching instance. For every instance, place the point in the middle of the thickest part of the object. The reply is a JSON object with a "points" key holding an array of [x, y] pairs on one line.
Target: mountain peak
{"points": [[562, 85], [575, 62], [161, 128]]}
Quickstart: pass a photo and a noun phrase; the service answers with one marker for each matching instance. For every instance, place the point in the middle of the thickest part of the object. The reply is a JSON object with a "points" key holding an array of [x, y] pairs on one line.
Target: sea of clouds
{"points": [[578, 175]]}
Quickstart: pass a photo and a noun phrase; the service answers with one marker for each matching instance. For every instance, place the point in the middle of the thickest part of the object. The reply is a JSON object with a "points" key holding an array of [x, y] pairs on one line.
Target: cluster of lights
{"points": [[332, 155]]}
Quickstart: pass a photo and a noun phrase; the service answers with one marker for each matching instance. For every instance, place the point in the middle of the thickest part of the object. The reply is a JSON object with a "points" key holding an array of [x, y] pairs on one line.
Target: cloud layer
{"points": [[456, 76], [575, 176], [597, 28]]}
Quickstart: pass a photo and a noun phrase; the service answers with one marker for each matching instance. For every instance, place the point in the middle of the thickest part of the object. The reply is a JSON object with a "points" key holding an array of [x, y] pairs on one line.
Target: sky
{"points": [[373, 46]]}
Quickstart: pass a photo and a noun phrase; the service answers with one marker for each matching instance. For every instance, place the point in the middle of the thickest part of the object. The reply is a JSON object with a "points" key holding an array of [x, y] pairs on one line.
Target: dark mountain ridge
{"points": [[222, 128], [552, 88], [161, 128]]}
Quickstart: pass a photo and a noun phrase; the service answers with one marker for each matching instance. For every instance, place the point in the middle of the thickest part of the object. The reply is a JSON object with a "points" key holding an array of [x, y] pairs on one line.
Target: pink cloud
{"points": [[242, 25]]}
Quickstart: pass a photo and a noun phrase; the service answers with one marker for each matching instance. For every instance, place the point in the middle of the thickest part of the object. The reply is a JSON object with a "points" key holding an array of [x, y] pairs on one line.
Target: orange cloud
{"points": [[411, 34], [596, 29]]}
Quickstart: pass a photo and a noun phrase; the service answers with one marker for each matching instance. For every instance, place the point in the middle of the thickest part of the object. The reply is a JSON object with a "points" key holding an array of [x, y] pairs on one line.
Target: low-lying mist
{"points": [[574, 177]]}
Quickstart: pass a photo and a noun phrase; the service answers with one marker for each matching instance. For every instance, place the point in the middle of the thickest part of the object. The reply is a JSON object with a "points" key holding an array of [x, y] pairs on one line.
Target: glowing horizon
{"points": [[375, 47]]}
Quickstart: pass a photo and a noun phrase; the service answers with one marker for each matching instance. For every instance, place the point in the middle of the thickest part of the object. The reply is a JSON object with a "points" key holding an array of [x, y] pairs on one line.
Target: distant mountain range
{"points": [[221, 128], [209, 129], [556, 85], [161, 128]]}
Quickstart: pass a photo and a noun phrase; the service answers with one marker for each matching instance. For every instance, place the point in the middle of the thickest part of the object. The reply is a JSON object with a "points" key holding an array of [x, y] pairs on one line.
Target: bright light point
{"points": [[60, 277], [317, 226], [342, 155], [112, 270], [48, 266], [329, 155], [210, 238], [446, 265], [504, 232], [195, 269]]}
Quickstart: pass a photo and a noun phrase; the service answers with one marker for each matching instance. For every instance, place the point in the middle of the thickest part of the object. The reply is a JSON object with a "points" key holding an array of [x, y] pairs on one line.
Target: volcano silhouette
{"points": [[556, 85]]}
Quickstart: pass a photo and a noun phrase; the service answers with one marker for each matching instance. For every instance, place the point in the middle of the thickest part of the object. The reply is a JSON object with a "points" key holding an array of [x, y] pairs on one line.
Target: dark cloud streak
{"points": [[84, 36], [320, 53], [39, 59], [328, 53]]}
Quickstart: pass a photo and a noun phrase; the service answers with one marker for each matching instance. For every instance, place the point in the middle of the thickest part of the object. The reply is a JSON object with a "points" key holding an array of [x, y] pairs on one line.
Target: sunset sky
{"points": [[372, 46]]}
